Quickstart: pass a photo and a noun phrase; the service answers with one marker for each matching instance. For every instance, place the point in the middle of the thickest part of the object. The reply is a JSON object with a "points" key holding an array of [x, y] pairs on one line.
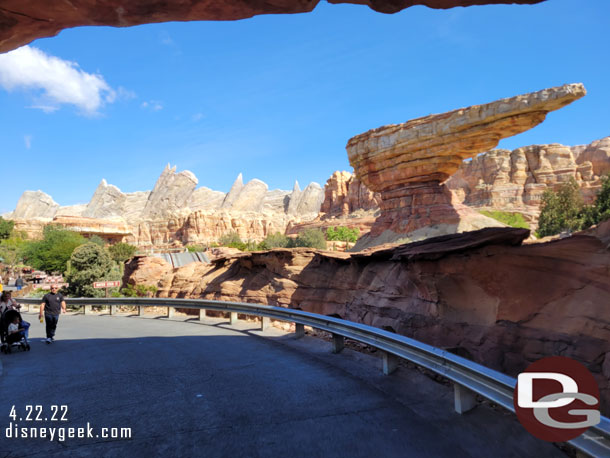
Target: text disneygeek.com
{"points": [[23, 425], [61, 433]]}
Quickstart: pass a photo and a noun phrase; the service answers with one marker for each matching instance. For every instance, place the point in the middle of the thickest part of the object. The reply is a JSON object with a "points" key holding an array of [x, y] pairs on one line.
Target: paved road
{"points": [[209, 390]]}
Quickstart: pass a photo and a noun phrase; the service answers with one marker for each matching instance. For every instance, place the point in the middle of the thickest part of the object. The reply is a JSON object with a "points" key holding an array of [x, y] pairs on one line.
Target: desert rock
{"points": [[35, 204], [462, 292], [406, 163]]}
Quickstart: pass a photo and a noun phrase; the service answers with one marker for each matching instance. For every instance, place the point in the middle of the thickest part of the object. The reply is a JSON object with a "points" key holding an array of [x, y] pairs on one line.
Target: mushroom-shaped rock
{"points": [[407, 162]]}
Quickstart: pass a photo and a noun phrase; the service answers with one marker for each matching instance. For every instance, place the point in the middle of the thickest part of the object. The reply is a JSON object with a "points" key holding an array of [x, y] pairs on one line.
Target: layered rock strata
{"points": [[481, 294], [514, 181], [23, 22], [407, 163]]}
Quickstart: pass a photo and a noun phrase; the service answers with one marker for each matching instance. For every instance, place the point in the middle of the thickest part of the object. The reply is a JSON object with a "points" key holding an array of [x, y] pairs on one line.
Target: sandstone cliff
{"points": [[514, 181], [481, 294]]}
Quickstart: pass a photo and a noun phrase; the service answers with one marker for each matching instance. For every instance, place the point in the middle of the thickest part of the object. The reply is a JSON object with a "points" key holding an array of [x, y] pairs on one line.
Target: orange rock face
{"points": [[406, 163], [514, 181], [21, 22], [481, 293], [345, 194]]}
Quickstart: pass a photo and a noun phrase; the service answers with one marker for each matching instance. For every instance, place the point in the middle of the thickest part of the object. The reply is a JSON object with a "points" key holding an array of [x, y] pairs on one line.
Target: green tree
{"points": [[277, 240], [90, 263], [6, 227], [121, 252], [52, 253], [97, 240], [342, 233], [232, 240], [562, 210], [602, 201], [12, 249], [312, 238]]}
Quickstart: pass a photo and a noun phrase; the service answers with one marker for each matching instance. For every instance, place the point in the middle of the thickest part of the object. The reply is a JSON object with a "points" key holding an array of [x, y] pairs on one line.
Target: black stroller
{"points": [[11, 341]]}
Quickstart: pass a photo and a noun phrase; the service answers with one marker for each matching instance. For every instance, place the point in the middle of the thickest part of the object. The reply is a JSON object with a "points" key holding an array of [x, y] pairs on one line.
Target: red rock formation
{"points": [[21, 22], [514, 181], [344, 194], [407, 162], [503, 304]]}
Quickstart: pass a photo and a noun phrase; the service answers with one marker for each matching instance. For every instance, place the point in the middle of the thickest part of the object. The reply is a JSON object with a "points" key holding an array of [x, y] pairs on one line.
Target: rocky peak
{"points": [[35, 204], [170, 194]]}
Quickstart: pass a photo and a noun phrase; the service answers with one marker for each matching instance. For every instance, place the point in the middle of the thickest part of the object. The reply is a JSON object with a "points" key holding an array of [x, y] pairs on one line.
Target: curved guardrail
{"points": [[469, 378]]}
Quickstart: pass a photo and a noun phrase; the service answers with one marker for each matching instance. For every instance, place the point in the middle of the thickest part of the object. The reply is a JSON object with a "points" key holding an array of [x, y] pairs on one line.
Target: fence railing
{"points": [[469, 378]]}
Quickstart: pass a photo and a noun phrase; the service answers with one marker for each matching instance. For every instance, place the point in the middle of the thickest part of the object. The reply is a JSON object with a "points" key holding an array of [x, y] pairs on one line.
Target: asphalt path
{"points": [[187, 388]]}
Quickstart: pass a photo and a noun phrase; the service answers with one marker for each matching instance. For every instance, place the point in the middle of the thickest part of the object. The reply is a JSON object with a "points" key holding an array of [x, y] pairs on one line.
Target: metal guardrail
{"points": [[468, 378]]}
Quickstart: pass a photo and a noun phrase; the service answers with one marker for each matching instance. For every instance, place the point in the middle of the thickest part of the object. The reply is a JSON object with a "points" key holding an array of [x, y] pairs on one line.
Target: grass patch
{"points": [[510, 219]]}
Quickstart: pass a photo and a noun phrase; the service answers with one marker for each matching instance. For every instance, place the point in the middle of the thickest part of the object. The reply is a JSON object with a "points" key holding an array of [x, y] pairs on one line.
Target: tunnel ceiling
{"points": [[22, 22]]}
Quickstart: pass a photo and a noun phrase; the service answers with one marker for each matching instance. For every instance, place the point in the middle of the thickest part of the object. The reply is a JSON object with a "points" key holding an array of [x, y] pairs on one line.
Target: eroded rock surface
{"points": [[407, 163], [514, 181], [482, 294], [21, 22], [35, 204]]}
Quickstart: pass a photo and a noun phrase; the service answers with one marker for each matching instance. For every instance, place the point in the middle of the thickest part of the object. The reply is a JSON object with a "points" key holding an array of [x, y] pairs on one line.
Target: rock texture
{"points": [[514, 181], [170, 194], [344, 194], [407, 163], [21, 22], [176, 213], [35, 204], [481, 294]]}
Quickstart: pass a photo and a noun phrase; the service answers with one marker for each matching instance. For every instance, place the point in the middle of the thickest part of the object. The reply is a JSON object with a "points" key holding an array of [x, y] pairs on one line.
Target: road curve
{"points": [[208, 389]]}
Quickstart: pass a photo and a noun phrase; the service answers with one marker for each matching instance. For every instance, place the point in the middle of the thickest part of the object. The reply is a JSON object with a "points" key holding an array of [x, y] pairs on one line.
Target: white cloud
{"points": [[197, 117], [153, 105], [27, 139], [56, 81]]}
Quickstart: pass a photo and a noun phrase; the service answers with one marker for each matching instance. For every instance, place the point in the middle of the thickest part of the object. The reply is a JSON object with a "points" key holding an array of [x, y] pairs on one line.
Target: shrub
{"points": [[312, 238], [195, 248], [138, 291], [89, 263], [276, 240], [121, 252], [510, 219], [230, 238], [342, 233]]}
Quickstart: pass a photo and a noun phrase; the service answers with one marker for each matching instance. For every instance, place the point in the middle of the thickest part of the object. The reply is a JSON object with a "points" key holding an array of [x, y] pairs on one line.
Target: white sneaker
{"points": [[48, 340]]}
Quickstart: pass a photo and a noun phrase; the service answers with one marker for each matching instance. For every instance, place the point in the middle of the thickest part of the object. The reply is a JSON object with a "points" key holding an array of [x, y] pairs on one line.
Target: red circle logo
{"points": [[556, 399]]}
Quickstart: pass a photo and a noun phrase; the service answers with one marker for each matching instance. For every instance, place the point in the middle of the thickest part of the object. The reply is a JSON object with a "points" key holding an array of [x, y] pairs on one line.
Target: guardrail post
{"points": [[27, 306], [338, 343], [170, 312], [113, 309], [87, 309], [201, 314], [265, 322], [233, 318], [139, 310], [464, 399], [299, 330], [390, 363]]}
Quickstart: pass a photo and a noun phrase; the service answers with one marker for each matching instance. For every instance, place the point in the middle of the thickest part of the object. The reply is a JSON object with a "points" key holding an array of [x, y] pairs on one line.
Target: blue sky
{"points": [[277, 97]]}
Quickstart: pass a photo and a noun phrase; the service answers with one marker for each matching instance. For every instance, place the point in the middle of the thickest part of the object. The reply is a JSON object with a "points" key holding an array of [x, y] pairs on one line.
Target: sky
{"points": [[277, 97]]}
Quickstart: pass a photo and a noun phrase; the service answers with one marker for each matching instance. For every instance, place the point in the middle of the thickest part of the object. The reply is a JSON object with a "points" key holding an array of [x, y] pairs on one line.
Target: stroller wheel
{"points": [[27, 347], [8, 349]]}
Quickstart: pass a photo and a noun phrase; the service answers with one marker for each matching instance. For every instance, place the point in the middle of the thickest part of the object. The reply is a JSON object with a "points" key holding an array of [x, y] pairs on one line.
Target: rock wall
{"points": [[514, 181], [23, 22], [481, 294]]}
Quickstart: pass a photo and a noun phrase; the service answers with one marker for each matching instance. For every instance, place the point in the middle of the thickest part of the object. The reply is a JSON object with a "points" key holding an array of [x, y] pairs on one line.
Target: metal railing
{"points": [[468, 378]]}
